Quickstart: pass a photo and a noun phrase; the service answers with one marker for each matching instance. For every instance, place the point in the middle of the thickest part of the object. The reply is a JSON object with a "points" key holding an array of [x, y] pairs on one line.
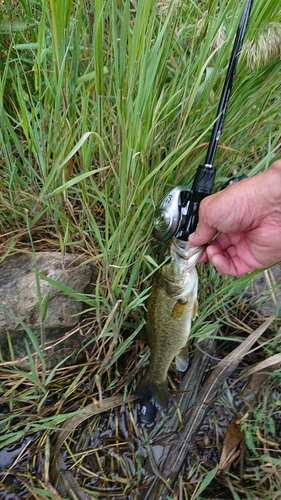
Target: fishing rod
{"points": [[177, 213]]}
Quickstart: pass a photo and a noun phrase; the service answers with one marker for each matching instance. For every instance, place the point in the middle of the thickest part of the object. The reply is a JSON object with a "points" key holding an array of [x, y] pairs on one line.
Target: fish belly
{"points": [[168, 324], [167, 331]]}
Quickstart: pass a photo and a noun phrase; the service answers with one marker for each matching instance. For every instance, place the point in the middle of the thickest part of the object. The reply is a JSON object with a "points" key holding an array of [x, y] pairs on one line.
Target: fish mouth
{"points": [[186, 251]]}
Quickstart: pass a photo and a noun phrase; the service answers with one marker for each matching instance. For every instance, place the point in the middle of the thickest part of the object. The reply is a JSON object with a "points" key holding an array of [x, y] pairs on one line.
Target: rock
{"points": [[19, 301]]}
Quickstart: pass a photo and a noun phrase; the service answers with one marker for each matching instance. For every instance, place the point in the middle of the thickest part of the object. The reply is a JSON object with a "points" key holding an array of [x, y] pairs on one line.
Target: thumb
{"points": [[207, 223], [203, 234]]}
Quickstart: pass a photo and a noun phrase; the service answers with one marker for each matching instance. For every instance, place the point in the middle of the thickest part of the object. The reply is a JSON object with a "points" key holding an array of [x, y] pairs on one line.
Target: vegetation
{"points": [[105, 106]]}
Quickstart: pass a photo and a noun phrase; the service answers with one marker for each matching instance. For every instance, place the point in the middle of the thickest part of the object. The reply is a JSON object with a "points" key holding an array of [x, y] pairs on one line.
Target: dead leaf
{"points": [[232, 440], [250, 393], [66, 483], [270, 364], [176, 452], [89, 411]]}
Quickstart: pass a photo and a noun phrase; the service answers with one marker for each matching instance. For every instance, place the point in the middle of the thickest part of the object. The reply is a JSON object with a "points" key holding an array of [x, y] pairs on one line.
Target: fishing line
{"points": [[177, 214], [226, 91]]}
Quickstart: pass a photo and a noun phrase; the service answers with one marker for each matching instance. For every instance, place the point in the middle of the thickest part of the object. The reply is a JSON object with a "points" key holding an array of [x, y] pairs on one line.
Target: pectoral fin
{"points": [[194, 312], [182, 359], [178, 309]]}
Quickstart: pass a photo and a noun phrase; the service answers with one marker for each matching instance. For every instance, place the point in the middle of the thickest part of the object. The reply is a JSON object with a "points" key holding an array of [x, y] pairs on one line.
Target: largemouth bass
{"points": [[171, 307]]}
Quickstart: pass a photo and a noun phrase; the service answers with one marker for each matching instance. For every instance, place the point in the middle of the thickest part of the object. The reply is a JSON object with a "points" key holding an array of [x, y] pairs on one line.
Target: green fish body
{"points": [[171, 307]]}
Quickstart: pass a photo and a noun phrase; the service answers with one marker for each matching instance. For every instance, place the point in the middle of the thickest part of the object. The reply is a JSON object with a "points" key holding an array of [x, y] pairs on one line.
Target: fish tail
{"points": [[156, 393]]}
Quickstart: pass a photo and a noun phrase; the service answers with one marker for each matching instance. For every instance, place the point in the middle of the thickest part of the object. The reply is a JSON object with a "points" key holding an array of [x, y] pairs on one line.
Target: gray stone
{"points": [[19, 303]]}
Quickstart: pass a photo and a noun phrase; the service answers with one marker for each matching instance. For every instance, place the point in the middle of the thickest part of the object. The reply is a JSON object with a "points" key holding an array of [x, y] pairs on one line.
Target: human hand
{"points": [[247, 216]]}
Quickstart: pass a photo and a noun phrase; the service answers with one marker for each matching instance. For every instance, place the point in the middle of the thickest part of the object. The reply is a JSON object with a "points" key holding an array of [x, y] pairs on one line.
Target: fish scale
{"points": [[171, 307]]}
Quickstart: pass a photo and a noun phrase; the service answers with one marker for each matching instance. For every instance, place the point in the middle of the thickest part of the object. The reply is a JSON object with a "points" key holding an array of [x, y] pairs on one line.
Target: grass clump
{"points": [[104, 108]]}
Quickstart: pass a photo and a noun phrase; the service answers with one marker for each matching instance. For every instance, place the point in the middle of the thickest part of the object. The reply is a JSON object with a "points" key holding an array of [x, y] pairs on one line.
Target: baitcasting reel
{"points": [[177, 213]]}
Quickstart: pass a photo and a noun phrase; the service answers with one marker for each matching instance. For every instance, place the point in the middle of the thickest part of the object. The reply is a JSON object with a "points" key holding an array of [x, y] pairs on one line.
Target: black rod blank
{"points": [[238, 42]]}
